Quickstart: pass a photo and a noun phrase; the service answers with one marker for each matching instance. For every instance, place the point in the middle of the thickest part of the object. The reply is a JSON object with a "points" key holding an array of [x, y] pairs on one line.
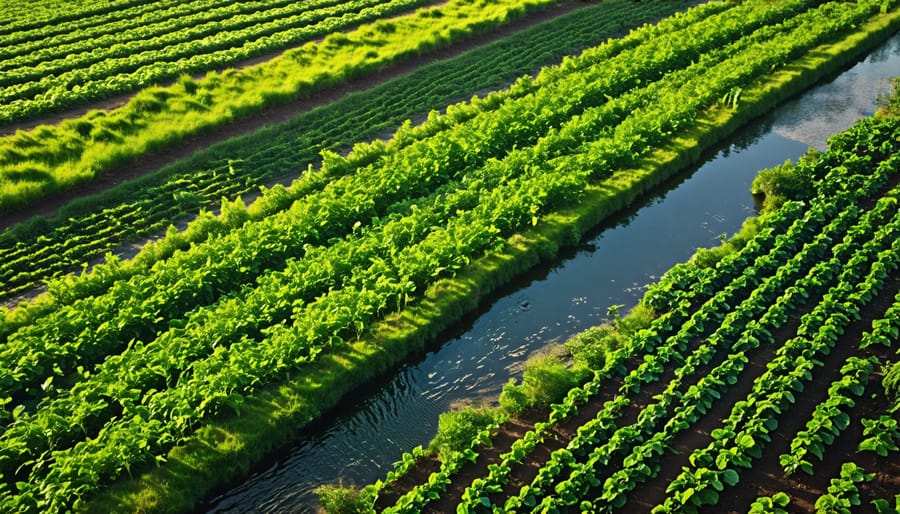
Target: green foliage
{"points": [[340, 499], [774, 504], [889, 104], [882, 506], [272, 299], [891, 383], [144, 207], [843, 494], [781, 183], [590, 348], [149, 121], [513, 399], [881, 435], [545, 380], [456, 429]]}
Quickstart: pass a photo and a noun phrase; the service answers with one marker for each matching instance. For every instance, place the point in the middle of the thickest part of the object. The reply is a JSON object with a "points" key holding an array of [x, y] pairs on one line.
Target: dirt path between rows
{"points": [[273, 115]]}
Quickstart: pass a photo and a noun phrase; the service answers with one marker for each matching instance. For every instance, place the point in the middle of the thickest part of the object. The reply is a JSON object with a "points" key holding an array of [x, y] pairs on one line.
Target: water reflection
{"points": [[850, 96], [613, 266]]}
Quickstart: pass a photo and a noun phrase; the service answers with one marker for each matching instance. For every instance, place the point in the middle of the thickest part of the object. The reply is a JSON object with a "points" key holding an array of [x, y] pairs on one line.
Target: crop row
{"points": [[414, 214], [36, 253], [36, 15], [174, 293], [541, 493], [646, 340], [38, 47], [634, 442], [48, 159], [105, 66], [152, 420], [746, 431]]}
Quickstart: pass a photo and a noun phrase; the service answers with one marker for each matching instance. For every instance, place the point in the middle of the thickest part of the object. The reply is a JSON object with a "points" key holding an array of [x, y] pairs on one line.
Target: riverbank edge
{"points": [[225, 449]]}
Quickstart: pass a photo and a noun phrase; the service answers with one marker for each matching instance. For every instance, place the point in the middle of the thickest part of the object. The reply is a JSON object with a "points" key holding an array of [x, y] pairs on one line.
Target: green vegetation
{"points": [[812, 272], [346, 500], [545, 380], [36, 251], [72, 62], [456, 429], [185, 371], [781, 183], [47, 159]]}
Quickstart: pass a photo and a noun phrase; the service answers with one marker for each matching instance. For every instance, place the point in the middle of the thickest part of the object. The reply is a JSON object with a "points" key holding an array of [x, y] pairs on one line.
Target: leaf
{"points": [[706, 497], [781, 499], [730, 477]]}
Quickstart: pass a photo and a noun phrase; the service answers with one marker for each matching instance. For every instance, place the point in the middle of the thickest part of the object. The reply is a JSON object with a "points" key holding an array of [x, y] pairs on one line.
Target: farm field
{"points": [[43, 249], [611, 268], [61, 59], [52, 158], [764, 380], [122, 383]]}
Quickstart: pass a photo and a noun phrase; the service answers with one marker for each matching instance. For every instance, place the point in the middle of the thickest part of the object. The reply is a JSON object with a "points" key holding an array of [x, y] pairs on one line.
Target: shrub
{"points": [[338, 499], [589, 348], [513, 399], [546, 380], [457, 429], [783, 182]]}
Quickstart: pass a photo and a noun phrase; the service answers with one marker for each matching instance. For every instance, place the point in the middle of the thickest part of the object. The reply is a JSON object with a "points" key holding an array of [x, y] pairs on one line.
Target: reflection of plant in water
{"points": [[888, 98], [885, 51]]}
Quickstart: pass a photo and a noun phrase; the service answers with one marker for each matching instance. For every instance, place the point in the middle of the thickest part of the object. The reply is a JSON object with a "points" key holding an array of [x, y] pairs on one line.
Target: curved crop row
{"points": [[40, 48], [120, 380], [200, 275], [101, 67]]}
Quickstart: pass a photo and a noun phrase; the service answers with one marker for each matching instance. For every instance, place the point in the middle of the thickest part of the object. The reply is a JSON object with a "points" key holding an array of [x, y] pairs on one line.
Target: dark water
{"points": [[613, 266]]}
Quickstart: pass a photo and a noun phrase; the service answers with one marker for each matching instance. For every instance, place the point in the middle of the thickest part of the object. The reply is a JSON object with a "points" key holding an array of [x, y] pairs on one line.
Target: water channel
{"points": [[613, 265]]}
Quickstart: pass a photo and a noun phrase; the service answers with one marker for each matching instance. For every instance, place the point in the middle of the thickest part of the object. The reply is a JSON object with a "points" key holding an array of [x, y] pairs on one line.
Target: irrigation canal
{"points": [[613, 266]]}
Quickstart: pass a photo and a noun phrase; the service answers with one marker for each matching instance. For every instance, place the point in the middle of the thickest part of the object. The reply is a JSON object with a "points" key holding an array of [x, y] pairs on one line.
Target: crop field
{"points": [[144, 384], [61, 59], [758, 382], [32, 253], [48, 159]]}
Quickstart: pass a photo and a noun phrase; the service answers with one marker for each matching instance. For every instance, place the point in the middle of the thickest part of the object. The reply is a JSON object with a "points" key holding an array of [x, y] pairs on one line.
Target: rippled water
{"points": [[613, 266]]}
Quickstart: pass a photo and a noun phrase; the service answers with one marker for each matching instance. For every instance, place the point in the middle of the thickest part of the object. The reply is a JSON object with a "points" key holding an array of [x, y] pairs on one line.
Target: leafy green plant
{"points": [[891, 383], [783, 182], [457, 429], [881, 435], [774, 504], [340, 499], [545, 380]]}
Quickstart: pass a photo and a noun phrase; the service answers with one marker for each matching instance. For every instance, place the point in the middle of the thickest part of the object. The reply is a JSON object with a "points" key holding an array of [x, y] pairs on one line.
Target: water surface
{"points": [[613, 266]]}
